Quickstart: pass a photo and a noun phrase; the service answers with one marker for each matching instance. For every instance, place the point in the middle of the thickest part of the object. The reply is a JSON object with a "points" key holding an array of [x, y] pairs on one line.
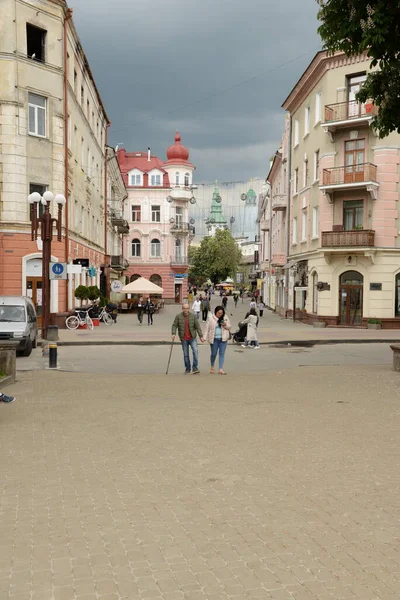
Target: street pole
{"points": [[289, 179]]}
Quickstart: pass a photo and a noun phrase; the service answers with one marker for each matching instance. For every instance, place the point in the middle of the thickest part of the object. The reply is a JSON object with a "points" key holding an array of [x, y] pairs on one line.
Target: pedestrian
{"points": [[253, 303], [217, 335], [188, 327], [140, 309], [251, 336], [205, 308], [149, 309], [196, 307], [235, 299], [6, 399], [112, 308], [260, 307], [224, 301]]}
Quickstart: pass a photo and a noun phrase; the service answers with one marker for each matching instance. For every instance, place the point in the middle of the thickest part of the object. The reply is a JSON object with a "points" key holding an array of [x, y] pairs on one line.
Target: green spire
{"points": [[216, 207]]}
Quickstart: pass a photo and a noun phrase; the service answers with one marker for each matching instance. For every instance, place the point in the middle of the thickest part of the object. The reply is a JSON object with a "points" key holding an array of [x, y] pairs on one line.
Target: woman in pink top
{"points": [[217, 335]]}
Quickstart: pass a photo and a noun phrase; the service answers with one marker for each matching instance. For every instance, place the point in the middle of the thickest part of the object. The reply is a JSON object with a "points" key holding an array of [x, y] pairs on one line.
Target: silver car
{"points": [[18, 321]]}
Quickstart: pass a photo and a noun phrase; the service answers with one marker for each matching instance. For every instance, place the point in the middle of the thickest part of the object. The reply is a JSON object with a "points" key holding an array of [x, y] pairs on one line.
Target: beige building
{"points": [[344, 260], [53, 132]]}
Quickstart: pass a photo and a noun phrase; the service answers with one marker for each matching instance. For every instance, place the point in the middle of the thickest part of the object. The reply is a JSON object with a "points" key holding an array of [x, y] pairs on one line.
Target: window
{"points": [[87, 110], [303, 225], [35, 42], [397, 299], [88, 162], [315, 292], [82, 154], [155, 180], [37, 187], [135, 179], [318, 103], [155, 248], [179, 216], [353, 214], [307, 120], [296, 133], [69, 132], [178, 249], [82, 96], [177, 178], [294, 230], [75, 82], [97, 130], [156, 213], [316, 165], [187, 179], [296, 181], [354, 84], [136, 248], [136, 213], [306, 173], [315, 222], [37, 115]]}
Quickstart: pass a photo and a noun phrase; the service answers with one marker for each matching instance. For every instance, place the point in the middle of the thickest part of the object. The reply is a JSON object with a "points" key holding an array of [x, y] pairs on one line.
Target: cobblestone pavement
{"points": [[280, 486]]}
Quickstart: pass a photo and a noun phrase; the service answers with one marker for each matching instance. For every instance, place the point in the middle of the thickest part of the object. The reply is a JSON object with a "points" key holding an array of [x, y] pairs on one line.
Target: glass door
{"points": [[34, 291], [353, 87], [354, 153]]}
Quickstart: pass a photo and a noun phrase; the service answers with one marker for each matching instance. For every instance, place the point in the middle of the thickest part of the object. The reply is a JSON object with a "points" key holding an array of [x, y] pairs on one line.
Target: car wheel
{"points": [[28, 349]]}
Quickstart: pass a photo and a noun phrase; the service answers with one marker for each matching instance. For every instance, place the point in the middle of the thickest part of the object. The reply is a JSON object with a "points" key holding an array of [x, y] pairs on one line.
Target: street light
{"points": [[45, 223]]}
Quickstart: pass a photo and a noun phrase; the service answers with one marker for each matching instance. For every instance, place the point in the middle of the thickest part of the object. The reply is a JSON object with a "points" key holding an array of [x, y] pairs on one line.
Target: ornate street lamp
{"points": [[45, 224]]}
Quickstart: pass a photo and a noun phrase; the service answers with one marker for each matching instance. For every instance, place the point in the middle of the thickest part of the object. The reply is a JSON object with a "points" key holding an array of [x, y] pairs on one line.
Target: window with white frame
{"points": [[294, 230], [305, 175], [179, 216], [303, 225], [155, 248], [296, 181], [37, 115], [135, 178], [296, 133], [136, 248], [136, 213], [318, 104], [315, 292], [156, 213], [187, 179], [307, 113], [315, 222], [177, 178], [155, 179], [316, 165]]}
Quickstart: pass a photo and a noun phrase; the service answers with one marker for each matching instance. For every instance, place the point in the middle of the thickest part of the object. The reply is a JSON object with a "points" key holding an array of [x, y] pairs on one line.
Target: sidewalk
{"points": [[272, 330]]}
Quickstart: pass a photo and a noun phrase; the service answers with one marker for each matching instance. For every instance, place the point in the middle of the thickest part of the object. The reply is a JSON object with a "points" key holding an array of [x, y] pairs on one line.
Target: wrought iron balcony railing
{"points": [[350, 174], [347, 111]]}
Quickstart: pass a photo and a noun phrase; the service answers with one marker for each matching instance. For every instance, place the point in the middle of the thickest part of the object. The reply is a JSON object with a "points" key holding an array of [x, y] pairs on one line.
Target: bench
{"points": [[396, 357]]}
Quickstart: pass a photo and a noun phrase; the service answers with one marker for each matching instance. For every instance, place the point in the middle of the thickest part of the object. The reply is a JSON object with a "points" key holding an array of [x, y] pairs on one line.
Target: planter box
{"points": [[374, 326], [368, 108], [82, 326], [96, 322]]}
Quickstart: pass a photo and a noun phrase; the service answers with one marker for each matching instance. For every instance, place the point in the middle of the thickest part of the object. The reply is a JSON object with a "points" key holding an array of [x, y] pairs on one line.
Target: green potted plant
{"points": [[81, 292], [93, 293], [374, 324]]}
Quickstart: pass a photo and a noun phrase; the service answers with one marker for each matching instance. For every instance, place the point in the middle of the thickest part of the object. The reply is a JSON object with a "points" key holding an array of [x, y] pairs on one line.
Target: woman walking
{"points": [[252, 323], [196, 306], [217, 335], [261, 307], [149, 309]]}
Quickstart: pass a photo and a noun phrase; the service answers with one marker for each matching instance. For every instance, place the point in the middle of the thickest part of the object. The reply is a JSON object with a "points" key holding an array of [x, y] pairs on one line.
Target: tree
{"points": [[216, 258], [371, 26]]}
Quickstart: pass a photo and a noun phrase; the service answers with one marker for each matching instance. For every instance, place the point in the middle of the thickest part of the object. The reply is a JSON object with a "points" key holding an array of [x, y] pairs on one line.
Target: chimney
{"points": [[148, 154]]}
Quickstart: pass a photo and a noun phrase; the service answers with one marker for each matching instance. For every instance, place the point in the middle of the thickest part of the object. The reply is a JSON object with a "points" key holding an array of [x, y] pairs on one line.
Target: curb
{"points": [[8, 380], [273, 344]]}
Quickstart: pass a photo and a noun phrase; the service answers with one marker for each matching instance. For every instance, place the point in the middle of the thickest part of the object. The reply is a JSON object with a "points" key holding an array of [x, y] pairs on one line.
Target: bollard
{"points": [[53, 355]]}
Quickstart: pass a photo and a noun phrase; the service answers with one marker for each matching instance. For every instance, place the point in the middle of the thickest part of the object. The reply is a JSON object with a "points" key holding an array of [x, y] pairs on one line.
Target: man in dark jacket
{"points": [[188, 327]]}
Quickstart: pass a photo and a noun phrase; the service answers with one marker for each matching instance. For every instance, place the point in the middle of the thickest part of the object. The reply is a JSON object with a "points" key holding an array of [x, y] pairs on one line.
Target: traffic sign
{"points": [[58, 270]]}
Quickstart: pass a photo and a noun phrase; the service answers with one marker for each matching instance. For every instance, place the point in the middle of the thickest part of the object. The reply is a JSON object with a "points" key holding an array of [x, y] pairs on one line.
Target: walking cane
{"points": [[170, 354]]}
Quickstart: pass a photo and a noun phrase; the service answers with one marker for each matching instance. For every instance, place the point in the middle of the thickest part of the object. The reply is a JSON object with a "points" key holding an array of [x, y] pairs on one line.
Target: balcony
{"points": [[264, 224], [181, 192], [348, 114], [279, 202], [361, 176], [117, 218], [363, 238], [181, 229], [118, 262], [179, 261]]}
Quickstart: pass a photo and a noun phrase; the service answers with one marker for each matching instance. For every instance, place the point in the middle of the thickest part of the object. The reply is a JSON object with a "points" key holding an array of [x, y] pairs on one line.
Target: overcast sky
{"points": [[162, 65]]}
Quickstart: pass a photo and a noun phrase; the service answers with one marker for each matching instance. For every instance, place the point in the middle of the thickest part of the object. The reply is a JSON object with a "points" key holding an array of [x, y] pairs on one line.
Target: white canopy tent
{"points": [[142, 286]]}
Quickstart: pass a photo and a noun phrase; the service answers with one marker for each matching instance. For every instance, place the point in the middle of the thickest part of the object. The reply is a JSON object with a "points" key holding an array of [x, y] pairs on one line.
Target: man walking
{"points": [[188, 327], [204, 308], [196, 306], [140, 309]]}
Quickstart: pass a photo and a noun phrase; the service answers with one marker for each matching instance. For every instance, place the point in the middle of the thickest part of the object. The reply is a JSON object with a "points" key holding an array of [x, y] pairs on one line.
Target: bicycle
{"points": [[105, 316], [74, 321]]}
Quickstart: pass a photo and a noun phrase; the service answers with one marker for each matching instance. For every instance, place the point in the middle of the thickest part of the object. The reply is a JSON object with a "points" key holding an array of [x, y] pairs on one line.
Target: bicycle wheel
{"points": [[89, 322], [107, 319], [72, 322]]}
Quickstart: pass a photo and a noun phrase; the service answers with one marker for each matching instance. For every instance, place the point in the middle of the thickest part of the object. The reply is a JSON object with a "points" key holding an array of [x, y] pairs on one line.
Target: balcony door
{"points": [[353, 215], [354, 154], [354, 84], [179, 217], [351, 298]]}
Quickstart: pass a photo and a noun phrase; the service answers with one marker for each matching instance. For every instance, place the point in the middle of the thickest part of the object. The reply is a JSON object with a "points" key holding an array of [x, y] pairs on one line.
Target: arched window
{"points": [[155, 248], [397, 304], [177, 178], [187, 179], [136, 247], [134, 277], [156, 279], [315, 292]]}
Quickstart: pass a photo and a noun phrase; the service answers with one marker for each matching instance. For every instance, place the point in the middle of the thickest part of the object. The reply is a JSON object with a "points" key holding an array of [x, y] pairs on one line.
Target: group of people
{"points": [[145, 308]]}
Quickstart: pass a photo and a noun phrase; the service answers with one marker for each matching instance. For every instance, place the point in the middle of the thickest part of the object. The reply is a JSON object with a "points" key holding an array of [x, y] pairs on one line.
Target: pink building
{"points": [[157, 211]]}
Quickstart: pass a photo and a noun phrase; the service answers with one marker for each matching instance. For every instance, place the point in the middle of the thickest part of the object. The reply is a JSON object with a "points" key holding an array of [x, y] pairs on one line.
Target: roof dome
{"points": [[177, 152]]}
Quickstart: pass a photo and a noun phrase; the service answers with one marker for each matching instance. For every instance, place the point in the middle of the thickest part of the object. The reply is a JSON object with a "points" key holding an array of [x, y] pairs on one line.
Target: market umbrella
{"points": [[142, 286]]}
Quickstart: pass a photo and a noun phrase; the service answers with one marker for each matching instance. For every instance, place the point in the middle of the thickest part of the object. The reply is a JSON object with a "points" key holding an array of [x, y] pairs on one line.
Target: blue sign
{"points": [[58, 269]]}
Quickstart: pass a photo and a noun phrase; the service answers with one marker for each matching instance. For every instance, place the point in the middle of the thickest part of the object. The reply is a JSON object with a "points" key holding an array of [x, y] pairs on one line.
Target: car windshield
{"points": [[12, 314]]}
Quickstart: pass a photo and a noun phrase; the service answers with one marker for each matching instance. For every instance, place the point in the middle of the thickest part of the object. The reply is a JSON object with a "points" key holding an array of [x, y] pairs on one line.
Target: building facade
{"points": [[52, 137], [159, 193]]}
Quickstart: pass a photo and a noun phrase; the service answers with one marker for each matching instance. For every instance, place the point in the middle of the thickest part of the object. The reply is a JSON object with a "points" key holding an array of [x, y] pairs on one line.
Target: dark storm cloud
{"points": [[156, 60]]}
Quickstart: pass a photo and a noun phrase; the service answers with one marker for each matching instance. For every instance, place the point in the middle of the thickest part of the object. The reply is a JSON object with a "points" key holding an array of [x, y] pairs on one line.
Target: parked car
{"points": [[18, 321]]}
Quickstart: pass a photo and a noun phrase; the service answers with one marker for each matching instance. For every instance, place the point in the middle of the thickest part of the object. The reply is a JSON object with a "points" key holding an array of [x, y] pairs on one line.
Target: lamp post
{"points": [[45, 223]]}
